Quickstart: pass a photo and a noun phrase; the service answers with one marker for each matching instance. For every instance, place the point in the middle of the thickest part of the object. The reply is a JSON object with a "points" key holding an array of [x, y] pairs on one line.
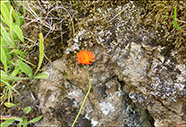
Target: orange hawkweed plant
{"points": [[85, 58]]}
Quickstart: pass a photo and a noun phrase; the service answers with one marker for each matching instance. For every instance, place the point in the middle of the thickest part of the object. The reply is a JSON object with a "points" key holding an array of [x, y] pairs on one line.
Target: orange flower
{"points": [[85, 57]]}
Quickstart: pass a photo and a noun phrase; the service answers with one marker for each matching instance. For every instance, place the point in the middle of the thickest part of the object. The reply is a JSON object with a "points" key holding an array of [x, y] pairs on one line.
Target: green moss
{"points": [[159, 16]]}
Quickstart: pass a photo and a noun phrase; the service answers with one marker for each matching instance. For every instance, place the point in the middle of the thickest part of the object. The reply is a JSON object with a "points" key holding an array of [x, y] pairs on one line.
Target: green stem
{"points": [[84, 99]]}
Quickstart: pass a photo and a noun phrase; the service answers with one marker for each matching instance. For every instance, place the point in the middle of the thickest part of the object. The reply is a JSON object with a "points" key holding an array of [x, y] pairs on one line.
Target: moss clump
{"points": [[159, 16]]}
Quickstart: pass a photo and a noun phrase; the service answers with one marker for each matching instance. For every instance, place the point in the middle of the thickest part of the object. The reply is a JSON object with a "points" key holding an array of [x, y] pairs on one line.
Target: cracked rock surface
{"points": [[133, 84]]}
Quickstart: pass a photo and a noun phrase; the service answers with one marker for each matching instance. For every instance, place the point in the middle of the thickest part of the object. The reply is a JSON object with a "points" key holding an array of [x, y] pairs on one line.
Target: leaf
{"points": [[19, 119], [17, 17], [25, 68], [43, 75], [2, 42], [7, 123], [35, 119], [24, 123], [27, 110], [6, 13], [41, 51], [3, 73], [2, 19], [22, 54], [9, 105], [18, 32], [15, 72], [6, 48], [4, 59], [11, 117], [19, 125], [6, 37]]}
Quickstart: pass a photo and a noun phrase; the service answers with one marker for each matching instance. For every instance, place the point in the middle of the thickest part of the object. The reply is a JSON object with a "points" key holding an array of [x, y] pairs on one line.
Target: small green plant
{"points": [[13, 52], [24, 67], [22, 120], [11, 35]]}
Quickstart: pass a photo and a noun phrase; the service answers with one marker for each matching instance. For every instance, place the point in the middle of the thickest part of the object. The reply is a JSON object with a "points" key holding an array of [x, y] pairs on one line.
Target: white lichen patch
{"points": [[93, 122], [182, 76], [75, 93], [106, 108]]}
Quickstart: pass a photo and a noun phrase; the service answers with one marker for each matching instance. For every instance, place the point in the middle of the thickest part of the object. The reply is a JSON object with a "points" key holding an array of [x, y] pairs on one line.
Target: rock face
{"points": [[132, 83], [107, 104]]}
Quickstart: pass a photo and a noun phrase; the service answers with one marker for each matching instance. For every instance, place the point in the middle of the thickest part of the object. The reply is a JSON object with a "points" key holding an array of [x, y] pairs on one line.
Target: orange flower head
{"points": [[85, 57]]}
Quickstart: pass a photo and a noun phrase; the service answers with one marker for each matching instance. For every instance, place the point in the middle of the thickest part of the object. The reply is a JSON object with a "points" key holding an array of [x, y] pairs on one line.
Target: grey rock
{"points": [[132, 83], [107, 104]]}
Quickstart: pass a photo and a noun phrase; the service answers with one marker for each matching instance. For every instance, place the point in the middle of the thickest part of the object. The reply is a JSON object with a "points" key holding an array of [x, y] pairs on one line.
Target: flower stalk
{"points": [[84, 98]]}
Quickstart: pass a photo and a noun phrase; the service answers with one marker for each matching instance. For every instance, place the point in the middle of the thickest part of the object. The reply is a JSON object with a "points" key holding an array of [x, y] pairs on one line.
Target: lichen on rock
{"points": [[133, 83]]}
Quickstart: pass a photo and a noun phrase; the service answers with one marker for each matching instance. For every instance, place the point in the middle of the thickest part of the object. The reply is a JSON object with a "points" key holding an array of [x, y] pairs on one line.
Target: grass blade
{"points": [[175, 19], [6, 37]]}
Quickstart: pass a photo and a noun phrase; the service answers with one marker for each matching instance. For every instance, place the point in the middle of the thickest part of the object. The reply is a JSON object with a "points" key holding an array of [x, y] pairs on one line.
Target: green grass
{"points": [[175, 23], [13, 62]]}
